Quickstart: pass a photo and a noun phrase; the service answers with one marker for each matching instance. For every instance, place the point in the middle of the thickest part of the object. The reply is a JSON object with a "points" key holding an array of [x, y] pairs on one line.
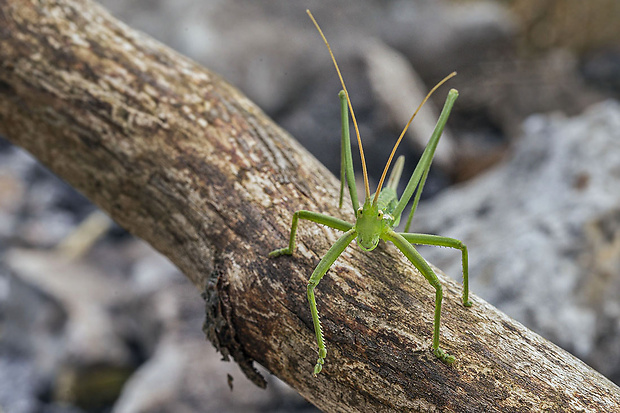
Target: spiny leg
{"points": [[314, 217], [318, 273], [416, 259], [427, 239]]}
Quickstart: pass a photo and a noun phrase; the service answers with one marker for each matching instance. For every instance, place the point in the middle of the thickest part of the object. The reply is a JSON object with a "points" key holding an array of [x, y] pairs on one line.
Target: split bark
{"points": [[182, 159]]}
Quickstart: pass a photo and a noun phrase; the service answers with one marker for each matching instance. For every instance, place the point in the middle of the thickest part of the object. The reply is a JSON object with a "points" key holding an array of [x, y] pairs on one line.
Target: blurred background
{"points": [[527, 174]]}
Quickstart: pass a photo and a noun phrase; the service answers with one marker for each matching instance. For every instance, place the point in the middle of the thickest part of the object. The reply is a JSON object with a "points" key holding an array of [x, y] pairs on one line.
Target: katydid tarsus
{"points": [[381, 212]]}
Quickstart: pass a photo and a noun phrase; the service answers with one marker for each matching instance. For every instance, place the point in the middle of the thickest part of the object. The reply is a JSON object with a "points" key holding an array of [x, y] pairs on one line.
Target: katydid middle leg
{"points": [[416, 259], [309, 216], [427, 239]]}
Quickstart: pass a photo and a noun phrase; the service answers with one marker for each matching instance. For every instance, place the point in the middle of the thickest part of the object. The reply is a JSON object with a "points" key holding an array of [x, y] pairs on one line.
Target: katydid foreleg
{"points": [[320, 270], [318, 273], [436, 240], [425, 269]]}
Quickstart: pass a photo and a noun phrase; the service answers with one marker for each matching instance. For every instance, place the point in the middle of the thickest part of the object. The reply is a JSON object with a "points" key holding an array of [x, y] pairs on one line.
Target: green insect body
{"points": [[380, 213]]}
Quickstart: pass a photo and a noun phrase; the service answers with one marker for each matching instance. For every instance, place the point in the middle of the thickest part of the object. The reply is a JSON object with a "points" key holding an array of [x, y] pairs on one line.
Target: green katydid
{"points": [[380, 213]]}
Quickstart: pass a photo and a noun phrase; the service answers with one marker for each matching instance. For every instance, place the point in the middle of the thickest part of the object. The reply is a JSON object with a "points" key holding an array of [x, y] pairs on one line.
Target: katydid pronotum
{"points": [[376, 219]]}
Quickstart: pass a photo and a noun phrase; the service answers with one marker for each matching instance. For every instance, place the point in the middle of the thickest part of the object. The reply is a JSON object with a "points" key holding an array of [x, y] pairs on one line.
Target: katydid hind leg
{"points": [[343, 176], [436, 240], [425, 163], [346, 158], [396, 173], [427, 157], [416, 199]]}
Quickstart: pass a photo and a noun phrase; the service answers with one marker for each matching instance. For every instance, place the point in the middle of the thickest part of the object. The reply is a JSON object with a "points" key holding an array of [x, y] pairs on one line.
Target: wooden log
{"points": [[183, 160]]}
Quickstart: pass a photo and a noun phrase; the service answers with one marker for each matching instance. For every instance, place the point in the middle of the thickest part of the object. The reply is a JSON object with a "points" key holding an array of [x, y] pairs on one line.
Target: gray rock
{"points": [[399, 89], [18, 385], [543, 231], [77, 334], [186, 374], [438, 34], [81, 293], [56, 315]]}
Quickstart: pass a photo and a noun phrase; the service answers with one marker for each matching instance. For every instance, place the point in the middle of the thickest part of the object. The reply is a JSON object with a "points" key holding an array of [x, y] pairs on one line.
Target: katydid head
{"points": [[370, 223]]}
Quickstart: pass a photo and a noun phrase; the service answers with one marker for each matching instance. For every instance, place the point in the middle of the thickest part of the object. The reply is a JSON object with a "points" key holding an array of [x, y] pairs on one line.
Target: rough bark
{"points": [[184, 161]]}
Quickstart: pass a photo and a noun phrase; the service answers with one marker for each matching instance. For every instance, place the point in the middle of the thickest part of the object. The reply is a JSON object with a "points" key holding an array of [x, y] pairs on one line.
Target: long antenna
{"points": [[357, 132], [400, 138]]}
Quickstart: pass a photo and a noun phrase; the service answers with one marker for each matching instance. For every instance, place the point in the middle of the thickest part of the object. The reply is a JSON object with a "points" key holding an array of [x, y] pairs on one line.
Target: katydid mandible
{"points": [[376, 219]]}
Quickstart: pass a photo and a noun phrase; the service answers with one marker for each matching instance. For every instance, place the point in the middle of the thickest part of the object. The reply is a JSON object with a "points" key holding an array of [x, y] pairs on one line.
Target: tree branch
{"points": [[183, 160]]}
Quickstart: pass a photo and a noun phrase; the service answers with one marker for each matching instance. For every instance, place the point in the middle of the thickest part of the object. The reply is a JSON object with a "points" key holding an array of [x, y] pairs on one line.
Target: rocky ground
{"points": [[533, 148]]}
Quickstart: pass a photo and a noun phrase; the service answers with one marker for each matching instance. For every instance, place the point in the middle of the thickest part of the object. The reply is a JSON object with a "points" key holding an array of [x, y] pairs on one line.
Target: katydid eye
{"points": [[380, 215], [359, 212]]}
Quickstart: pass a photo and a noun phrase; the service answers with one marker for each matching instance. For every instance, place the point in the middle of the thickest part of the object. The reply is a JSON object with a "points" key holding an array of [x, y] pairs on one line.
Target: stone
{"points": [[543, 231]]}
